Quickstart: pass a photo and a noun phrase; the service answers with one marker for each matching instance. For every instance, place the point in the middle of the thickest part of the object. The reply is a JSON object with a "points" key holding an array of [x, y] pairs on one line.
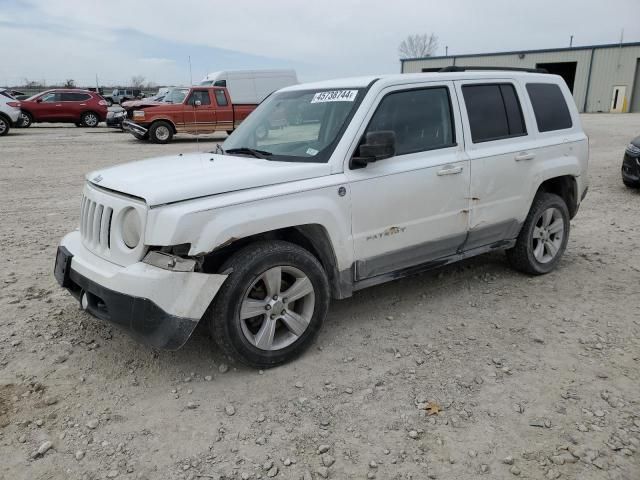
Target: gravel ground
{"points": [[472, 371]]}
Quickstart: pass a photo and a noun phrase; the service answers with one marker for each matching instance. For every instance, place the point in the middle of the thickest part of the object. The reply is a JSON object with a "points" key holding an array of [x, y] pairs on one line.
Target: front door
{"points": [[412, 208], [199, 113], [49, 107]]}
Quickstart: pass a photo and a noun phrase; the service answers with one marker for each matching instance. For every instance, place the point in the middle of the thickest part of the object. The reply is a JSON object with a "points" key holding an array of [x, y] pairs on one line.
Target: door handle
{"points": [[449, 171], [524, 156]]}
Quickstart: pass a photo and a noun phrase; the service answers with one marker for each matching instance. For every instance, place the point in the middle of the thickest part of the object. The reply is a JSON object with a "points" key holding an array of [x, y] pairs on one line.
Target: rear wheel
{"points": [[5, 126], [271, 306], [543, 237], [89, 119], [161, 132], [630, 184]]}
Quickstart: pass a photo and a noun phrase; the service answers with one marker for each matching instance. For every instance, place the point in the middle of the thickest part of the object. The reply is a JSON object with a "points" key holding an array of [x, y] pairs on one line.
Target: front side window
{"points": [[549, 107], [51, 97], [494, 112], [297, 126], [421, 119], [202, 95]]}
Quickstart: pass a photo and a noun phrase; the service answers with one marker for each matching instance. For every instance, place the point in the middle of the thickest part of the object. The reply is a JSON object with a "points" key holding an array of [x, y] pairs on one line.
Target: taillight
{"points": [[103, 102], [14, 104]]}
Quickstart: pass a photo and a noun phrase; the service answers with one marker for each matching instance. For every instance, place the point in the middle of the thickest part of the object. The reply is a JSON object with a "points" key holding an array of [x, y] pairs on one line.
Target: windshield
{"points": [[297, 126], [176, 95]]}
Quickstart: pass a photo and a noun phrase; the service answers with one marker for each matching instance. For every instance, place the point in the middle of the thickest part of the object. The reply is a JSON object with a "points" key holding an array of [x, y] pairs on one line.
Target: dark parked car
{"points": [[81, 107], [631, 164]]}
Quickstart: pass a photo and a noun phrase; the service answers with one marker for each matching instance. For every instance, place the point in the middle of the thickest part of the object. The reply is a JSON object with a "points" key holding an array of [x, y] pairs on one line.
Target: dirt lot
{"points": [[536, 377]]}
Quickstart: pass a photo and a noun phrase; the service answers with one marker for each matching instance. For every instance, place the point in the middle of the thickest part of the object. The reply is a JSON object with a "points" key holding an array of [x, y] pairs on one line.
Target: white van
{"points": [[251, 86]]}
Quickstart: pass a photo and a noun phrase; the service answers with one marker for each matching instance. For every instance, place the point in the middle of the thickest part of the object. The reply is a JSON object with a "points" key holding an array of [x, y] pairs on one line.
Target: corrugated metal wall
{"points": [[611, 66]]}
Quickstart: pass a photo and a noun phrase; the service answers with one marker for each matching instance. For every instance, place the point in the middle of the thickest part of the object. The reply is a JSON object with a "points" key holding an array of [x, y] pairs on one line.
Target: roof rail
{"points": [[456, 68]]}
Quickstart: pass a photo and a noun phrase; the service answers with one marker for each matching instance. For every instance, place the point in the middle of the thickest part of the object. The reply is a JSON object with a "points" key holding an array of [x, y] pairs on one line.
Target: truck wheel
{"points": [[630, 184], [543, 237], [25, 120], [89, 119], [5, 126], [271, 306], [161, 132]]}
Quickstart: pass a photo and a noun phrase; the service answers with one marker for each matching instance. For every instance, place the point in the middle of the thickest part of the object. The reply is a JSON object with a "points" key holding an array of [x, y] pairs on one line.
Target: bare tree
{"points": [[418, 46], [137, 81], [33, 83], [69, 83]]}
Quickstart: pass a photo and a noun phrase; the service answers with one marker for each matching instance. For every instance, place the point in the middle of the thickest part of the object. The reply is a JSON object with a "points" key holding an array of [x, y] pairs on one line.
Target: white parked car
{"points": [[9, 111], [388, 176]]}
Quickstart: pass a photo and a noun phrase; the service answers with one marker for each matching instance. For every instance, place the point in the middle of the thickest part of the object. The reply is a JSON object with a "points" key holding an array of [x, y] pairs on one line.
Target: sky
{"points": [[55, 40]]}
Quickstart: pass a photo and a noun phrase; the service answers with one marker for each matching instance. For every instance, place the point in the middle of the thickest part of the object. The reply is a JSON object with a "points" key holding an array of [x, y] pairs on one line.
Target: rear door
{"points": [[502, 155], [412, 208], [73, 104], [200, 118]]}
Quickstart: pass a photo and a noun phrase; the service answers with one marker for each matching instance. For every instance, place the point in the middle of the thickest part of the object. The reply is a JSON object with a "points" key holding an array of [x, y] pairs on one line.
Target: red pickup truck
{"points": [[194, 110]]}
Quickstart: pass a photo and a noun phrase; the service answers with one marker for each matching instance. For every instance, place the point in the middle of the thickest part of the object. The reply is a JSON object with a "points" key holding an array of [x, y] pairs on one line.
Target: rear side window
{"points": [[220, 83], [221, 98], [421, 119], [494, 112], [549, 107], [75, 97]]}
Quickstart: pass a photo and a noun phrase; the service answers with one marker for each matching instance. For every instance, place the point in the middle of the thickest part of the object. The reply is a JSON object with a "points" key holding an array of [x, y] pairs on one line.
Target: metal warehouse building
{"points": [[602, 78]]}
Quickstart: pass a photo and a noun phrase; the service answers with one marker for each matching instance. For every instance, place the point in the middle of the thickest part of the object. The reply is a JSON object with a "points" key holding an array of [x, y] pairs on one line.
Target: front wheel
{"points": [[160, 132], [25, 120], [544, 235], [271, 306]]}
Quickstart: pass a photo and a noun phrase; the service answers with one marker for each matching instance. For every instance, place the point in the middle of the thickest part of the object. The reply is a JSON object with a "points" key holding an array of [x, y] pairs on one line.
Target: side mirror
{"points": [[39, 100], [197, 103], [377, 146]]}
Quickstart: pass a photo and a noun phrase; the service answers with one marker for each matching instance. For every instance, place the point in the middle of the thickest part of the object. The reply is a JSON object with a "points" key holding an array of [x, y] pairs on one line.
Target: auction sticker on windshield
{"points": [[335, 96]]}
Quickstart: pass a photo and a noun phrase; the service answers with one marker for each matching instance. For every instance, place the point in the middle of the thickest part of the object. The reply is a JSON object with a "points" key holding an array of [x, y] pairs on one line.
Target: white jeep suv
{"points": [[9, 111], [364, 180]]}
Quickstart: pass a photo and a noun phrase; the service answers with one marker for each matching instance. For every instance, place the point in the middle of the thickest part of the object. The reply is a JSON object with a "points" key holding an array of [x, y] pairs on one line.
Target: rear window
{"points": [[494, 112], [221, 98], [549, 107]]}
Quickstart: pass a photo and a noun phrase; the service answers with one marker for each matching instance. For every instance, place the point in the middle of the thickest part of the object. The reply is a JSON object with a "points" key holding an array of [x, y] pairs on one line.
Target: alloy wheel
{"points": [[547, 236], [277, 308]]}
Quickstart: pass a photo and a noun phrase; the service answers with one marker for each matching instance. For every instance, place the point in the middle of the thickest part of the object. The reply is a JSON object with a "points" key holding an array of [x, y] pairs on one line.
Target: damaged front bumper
{"points": [[157, 306], [132, 127]]}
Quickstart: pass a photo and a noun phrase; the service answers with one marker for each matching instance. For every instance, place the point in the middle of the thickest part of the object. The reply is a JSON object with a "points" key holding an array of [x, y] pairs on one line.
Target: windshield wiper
{"points": [[251, 151]]}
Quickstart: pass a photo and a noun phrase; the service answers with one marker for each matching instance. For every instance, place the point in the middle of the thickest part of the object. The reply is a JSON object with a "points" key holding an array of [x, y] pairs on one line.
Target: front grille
{"points": [[95, 224]]}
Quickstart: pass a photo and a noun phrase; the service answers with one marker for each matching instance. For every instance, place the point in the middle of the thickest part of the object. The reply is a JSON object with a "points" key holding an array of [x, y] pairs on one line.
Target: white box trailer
{"points": [[251, 86]]}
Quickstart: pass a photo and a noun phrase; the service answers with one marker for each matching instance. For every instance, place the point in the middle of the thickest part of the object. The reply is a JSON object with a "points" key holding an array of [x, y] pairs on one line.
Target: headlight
{"points": [[131, 228], [138, 113], [633, 151]]}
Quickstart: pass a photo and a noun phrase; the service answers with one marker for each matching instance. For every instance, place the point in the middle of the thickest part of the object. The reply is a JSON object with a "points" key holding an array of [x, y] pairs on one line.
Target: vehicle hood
{"points": [[177, 178], [140, 103]]}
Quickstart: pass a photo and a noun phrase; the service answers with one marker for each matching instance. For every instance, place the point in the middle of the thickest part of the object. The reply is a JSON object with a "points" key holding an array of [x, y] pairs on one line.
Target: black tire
{"points": [[89, 119], [229, 132], [522, 256], [157, 134], [629, 184], [246, 267], [5, 125], [26, 119]]}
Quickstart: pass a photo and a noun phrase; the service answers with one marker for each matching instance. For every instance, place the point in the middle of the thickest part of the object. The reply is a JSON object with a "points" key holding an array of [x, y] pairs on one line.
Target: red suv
{"points": [[82, 107]]}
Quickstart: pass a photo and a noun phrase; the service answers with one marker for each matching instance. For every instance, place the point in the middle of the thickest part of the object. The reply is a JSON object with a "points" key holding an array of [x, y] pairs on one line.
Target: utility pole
{"points": [[571, 41], [446, 50]]}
